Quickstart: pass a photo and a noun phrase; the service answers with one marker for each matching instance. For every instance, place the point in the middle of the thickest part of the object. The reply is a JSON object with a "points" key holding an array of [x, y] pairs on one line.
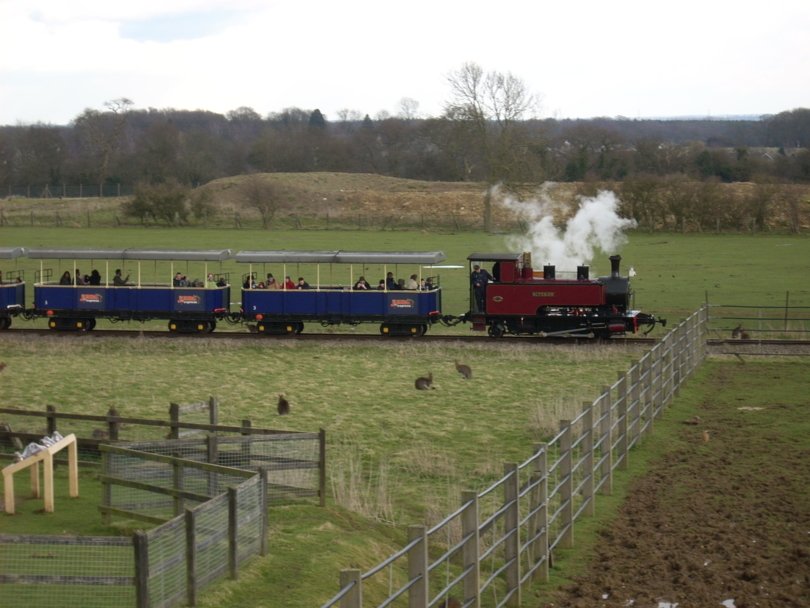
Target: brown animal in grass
{"points": [[424, 383], [450, 602], [3, 365], [464, 370], [738, 333], [283, 405]]}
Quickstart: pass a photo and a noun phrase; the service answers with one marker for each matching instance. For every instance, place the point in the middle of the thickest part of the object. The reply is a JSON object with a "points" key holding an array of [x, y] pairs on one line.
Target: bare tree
{"points": [[102, 133], [490, 107], [263, 196]]}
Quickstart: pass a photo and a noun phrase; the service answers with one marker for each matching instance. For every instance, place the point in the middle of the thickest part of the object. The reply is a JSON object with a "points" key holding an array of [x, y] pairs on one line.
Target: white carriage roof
{"points": [[206, 255], [341, 257], [9, 253]]}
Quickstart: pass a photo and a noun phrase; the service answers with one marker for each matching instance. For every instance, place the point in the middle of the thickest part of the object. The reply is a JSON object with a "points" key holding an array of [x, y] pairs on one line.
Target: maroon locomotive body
{"points": [[516, 299]]}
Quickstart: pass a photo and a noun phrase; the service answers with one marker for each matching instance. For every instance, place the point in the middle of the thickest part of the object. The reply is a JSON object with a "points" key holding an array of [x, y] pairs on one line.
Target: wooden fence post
{"points": [[106, 488], [50, 419], [174, 421], [322, 467], [212, 452], [511, 488], [539, 526], [471, 551], [265, 518], [213, 411], [418, 568], [244, 456], [621, 414], [191, 557], [606, 432], [140, 544], [566, 486], [233, 532], [587, 459], [112, 424], [354, 597]]}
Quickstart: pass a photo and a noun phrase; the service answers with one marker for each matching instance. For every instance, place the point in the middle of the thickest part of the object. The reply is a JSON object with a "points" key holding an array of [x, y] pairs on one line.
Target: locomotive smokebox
{"points": [[615, 260], [583, 273], [549, 271]]}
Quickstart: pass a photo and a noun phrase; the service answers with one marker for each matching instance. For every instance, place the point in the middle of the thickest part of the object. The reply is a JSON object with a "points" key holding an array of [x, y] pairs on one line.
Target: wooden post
{"points": [[418, 568], [471, 550], [50, 419], [233, 533], [112, 424], [622, 448], [587, 459], [177, 482], [106, 487], [140, 542], [191, 557], [606, 432], [174, 420], [512, 532], [322, 467], [635, 401], [540, 526], [212, 454], [244, 456], [265, 519], [566, 486], [354, 597]]}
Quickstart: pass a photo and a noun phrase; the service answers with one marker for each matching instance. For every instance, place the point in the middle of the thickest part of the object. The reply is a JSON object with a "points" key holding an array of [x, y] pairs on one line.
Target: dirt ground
{"points": [[723, 522]]}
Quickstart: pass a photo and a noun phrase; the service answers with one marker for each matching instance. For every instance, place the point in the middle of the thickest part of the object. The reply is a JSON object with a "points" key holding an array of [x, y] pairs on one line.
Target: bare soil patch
{"points": [[717, 520]]}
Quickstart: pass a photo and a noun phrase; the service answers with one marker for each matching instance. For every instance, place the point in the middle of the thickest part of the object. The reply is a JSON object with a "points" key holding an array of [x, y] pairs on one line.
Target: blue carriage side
{"points": [[282, 307], [12, 287], [75, 301]]}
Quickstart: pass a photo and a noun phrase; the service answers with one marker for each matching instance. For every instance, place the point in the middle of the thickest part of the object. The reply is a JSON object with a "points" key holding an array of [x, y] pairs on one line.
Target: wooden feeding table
{"points": [[45, 455]]}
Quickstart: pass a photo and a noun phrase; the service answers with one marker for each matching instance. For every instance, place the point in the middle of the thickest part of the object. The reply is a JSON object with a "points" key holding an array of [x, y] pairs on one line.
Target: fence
{"points": [[68, 190], [208, 496], [760, 322], [501, 539]]}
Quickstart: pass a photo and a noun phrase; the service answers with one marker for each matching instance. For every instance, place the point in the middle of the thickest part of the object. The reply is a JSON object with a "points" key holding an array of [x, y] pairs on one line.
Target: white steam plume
{"points": [[595, 226]]}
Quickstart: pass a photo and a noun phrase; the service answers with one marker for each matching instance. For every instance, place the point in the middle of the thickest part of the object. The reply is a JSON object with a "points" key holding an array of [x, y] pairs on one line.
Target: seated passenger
{"points": [[302, 284], [381, 285], [401, 284], [362, 284], [221, 282], [288, 283], [422, 285], [178, 280], [79, 278], [95, 277], [429, 284], [119, 280], [271, 282], [209, 281], [65, 279], [411, 283], [390, 281]]}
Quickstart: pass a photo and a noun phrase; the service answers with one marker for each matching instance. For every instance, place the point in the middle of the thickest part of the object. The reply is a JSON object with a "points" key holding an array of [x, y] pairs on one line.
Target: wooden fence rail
{"points": [[513, 538]]}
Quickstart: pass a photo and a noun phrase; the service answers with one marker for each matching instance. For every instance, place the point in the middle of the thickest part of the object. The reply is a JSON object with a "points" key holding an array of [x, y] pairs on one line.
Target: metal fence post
{"points": [[471, 551], [635, 400], [418, 568], [512, 531], [566, 486]]}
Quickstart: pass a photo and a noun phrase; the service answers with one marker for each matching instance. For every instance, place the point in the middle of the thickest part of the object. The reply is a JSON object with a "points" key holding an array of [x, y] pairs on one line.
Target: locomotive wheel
{"points": [[5, 322], [496, 330], [299, 327]]}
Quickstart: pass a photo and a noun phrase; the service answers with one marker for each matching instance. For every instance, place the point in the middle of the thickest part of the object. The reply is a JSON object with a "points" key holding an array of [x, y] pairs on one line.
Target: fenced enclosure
{"points": [[502, 538], [207, 494]]}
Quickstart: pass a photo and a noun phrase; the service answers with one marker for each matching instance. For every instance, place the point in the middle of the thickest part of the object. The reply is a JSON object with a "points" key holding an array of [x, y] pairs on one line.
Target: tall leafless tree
{"points": [[489, 107]]}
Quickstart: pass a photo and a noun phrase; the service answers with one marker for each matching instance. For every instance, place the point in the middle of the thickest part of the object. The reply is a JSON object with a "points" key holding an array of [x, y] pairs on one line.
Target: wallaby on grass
{"points": [[283, 405], [464, 370], [423, 383], [738, 333]]}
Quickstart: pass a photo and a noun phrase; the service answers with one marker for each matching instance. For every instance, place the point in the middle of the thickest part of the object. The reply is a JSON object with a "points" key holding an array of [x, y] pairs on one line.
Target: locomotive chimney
{"points": [[583, 273], [549, 271], [614, 266]]}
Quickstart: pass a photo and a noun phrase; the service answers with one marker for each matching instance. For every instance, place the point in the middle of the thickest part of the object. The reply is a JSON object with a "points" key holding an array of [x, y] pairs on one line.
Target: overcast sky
{"points": [[582, 58]]}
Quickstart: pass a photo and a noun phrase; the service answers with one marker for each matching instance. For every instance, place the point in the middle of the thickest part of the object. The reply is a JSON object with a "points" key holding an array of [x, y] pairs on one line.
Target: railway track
{"points": [[714, 346]]}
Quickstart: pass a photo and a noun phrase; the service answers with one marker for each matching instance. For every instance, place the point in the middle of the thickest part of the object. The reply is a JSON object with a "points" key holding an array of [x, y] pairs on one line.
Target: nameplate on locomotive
{"points": [[542, 294]]}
